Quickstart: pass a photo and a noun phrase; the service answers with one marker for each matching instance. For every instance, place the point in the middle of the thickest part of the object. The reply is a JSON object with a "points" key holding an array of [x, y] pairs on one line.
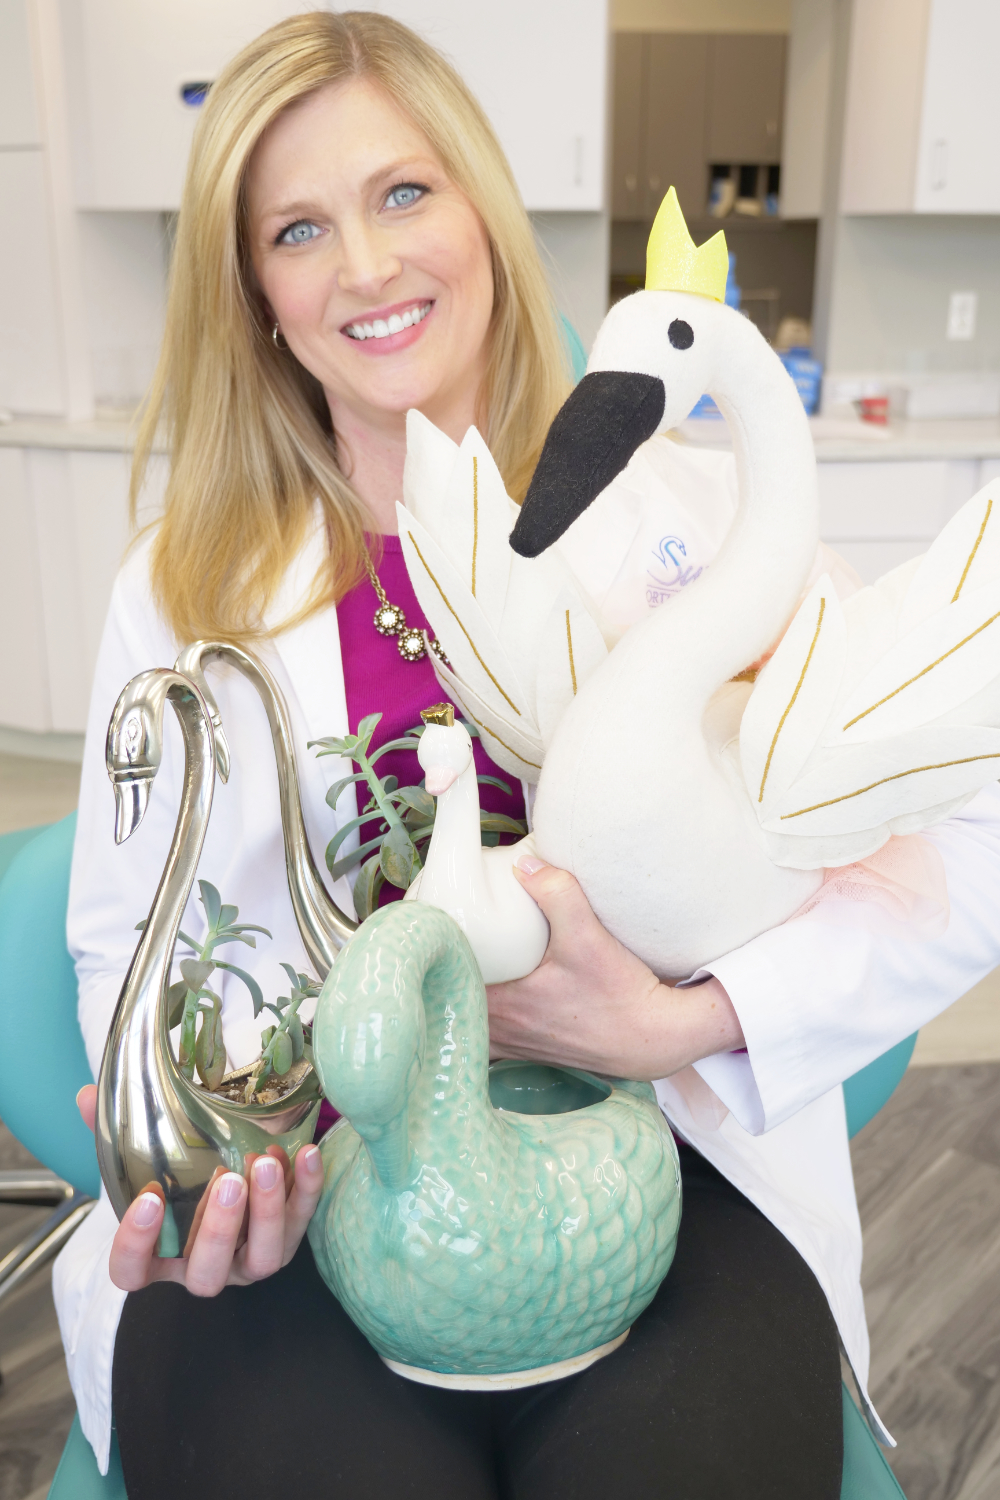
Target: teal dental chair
{"points": [[40, 1110]]}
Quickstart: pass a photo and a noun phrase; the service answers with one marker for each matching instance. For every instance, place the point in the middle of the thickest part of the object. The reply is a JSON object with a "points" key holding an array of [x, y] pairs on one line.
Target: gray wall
{"points": [[891, 284]]}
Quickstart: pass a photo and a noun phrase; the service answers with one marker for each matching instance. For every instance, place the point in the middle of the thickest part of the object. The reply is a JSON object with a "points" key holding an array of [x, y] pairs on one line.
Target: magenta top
{"points": [[378, 680]]}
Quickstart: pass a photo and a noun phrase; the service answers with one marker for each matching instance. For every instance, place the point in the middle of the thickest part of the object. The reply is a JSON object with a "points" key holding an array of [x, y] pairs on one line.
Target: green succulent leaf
{"points": [[341, 866], [196, 971], [419, 800], [176, 995], [292, 976], [404, 744], [281, 1053], [212, 902], [334, 794], [500, 823], [266, 1035], [189, 940], [294, 1032], [490, 840], [228, 915], [210, 1050], [256, 994], [397, 858], [344, 746], [140, 926], [366, 889]]}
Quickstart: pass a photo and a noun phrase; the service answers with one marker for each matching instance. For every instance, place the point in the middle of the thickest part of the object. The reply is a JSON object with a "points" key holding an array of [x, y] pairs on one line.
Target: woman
{"points": [[351, 245]]}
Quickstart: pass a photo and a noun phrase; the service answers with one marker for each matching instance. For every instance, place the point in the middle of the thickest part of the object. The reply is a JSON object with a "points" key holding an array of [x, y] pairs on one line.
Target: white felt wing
{"points": [[516, 633], [881, 715]]}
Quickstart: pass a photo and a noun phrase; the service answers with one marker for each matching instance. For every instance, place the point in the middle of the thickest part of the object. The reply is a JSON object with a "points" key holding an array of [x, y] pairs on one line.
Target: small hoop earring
{"points": [[274, 336]]}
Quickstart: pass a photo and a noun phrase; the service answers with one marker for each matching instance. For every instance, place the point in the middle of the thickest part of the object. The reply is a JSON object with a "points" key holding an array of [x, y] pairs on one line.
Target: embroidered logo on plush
{"points": [[670, 553]]}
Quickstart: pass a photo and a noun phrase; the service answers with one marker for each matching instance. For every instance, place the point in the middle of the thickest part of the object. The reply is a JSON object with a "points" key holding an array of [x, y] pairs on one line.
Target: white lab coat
{"points": [[818, 998]]}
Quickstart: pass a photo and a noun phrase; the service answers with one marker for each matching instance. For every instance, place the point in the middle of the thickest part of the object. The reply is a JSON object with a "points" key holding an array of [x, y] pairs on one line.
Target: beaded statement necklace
{"points": [[389, 619]]}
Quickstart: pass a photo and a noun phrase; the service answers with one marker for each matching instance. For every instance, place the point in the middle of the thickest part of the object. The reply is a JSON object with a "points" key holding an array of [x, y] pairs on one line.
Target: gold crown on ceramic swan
{"points": [[674, 263]]}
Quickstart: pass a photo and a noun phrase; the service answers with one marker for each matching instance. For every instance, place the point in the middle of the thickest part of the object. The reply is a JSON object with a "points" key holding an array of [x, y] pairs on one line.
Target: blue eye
{"points": [[299, 233], [404, 195]]}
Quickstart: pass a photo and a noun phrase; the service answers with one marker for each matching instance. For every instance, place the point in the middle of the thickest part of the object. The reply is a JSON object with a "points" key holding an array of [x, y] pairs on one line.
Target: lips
{"points": [[382, 328]]}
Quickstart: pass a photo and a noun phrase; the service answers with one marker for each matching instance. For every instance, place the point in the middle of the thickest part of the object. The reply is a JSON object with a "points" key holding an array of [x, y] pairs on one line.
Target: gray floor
{"points": [[36, 1404], [928, 1177]]}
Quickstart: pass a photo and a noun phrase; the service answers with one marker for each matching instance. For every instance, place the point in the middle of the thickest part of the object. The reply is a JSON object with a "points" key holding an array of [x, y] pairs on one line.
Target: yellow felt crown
{"points": [[674, 263]]}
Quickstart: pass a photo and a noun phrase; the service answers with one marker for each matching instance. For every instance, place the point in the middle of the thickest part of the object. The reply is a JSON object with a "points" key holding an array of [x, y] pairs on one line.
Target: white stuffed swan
{"points": [[873, 717], [505, 928]]}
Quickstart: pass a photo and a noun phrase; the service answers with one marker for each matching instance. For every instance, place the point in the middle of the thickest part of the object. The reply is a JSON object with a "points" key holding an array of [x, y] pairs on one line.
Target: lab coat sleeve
{"points": [[821, 997]]}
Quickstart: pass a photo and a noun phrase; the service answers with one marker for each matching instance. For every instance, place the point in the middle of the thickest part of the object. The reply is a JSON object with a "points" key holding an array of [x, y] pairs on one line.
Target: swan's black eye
{"points": [[680, 334]]}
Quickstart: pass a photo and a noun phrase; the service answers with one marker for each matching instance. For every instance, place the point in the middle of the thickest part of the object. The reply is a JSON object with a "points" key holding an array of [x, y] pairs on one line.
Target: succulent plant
{"points": [[407, 816]]}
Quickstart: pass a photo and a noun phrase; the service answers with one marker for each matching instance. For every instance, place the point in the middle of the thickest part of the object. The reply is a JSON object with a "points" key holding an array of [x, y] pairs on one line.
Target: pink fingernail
{"points": [[530, 865], [265, 1173], [147, 1210], [230, 1190], [311, 1158]]}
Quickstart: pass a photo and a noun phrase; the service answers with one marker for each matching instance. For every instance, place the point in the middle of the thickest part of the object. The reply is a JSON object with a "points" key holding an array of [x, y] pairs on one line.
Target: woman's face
{"points": [[375, 266]]}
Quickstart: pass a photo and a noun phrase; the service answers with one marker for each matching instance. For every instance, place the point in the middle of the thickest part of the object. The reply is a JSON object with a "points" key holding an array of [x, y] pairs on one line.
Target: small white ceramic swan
{"points": [[475, 886]]}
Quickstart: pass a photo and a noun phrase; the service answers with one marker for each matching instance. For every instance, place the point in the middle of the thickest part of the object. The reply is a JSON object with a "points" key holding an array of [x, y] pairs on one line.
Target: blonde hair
{"points": [[248, 427]]}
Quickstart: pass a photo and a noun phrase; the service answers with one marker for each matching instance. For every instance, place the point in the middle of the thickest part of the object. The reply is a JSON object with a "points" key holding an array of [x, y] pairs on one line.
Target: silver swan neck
{"points": [[324, 928], [138, 1046]]}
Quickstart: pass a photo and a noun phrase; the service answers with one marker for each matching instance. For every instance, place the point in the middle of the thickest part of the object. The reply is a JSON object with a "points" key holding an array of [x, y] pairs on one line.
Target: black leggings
{"points": [[728, 1386]]}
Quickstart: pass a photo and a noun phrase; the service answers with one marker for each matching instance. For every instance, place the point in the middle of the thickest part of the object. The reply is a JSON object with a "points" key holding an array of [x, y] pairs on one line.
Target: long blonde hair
{"points": [[248, 427]]}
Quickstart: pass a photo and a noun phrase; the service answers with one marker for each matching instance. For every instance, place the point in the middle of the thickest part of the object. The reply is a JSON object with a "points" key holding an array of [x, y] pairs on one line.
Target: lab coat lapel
{"points": [[309, 654]]}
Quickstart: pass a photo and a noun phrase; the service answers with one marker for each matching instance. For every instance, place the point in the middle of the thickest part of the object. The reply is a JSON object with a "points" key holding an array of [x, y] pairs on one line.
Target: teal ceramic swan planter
{"points": [[473, 1245]]}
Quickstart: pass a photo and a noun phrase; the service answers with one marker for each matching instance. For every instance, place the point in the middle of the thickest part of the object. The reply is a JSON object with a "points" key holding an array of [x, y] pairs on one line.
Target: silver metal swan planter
{"points": [[153, 1124], [323, 926]]}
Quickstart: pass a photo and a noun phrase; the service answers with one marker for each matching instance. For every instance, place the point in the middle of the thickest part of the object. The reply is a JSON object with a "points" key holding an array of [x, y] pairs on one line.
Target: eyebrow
{"points": [[304, 207]]}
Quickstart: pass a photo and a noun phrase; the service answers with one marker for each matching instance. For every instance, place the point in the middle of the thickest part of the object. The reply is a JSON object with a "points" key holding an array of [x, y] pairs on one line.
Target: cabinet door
{"points": [[958, 165], [675, 116], [31, 369], [18, 115], [746, 93], [627, 188]]}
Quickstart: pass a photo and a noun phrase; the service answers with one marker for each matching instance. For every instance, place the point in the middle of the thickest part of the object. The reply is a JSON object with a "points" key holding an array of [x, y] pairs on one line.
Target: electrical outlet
{"points": [[962, 315]]}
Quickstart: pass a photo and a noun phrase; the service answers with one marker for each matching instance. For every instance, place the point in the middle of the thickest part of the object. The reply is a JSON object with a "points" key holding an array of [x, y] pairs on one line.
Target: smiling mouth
{"points": [[380, 328]]}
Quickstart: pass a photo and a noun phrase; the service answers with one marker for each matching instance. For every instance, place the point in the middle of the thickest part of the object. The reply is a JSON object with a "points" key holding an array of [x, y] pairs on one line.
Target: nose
{"points": [[368, 262]]}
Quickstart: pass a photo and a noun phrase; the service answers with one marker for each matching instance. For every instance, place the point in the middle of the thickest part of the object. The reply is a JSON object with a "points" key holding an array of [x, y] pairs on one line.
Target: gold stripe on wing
{"points": [[914, 770], [972, 554], [468, 637], [509, 748], [923, 673], [569, 647], [798, 685]]}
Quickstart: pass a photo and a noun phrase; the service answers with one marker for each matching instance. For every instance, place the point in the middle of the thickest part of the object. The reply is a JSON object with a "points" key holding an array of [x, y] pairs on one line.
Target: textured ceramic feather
{"points": [[459, 1238]]}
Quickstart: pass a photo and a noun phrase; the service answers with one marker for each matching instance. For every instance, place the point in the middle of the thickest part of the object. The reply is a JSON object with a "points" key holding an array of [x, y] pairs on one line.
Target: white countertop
{"points": [[842, 440], [102, 435], [837, 441]]}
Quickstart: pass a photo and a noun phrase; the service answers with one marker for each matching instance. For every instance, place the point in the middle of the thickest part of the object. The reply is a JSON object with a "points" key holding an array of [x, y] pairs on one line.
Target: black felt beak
{"points": [[594, 435]]}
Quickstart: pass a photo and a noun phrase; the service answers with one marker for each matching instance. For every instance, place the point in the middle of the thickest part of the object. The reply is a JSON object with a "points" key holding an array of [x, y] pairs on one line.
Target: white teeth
{"points": [[381, 328]]}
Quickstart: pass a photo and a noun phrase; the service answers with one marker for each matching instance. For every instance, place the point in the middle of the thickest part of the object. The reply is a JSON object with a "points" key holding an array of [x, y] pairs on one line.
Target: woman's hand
{"points": [[592, 1004], [273, 1209]]}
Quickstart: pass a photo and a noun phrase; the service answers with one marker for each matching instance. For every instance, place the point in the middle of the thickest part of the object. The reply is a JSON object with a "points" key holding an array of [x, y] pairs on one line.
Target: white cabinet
{"points": [[920, 129], [31, 352], [538, 69], [19, 123]]}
